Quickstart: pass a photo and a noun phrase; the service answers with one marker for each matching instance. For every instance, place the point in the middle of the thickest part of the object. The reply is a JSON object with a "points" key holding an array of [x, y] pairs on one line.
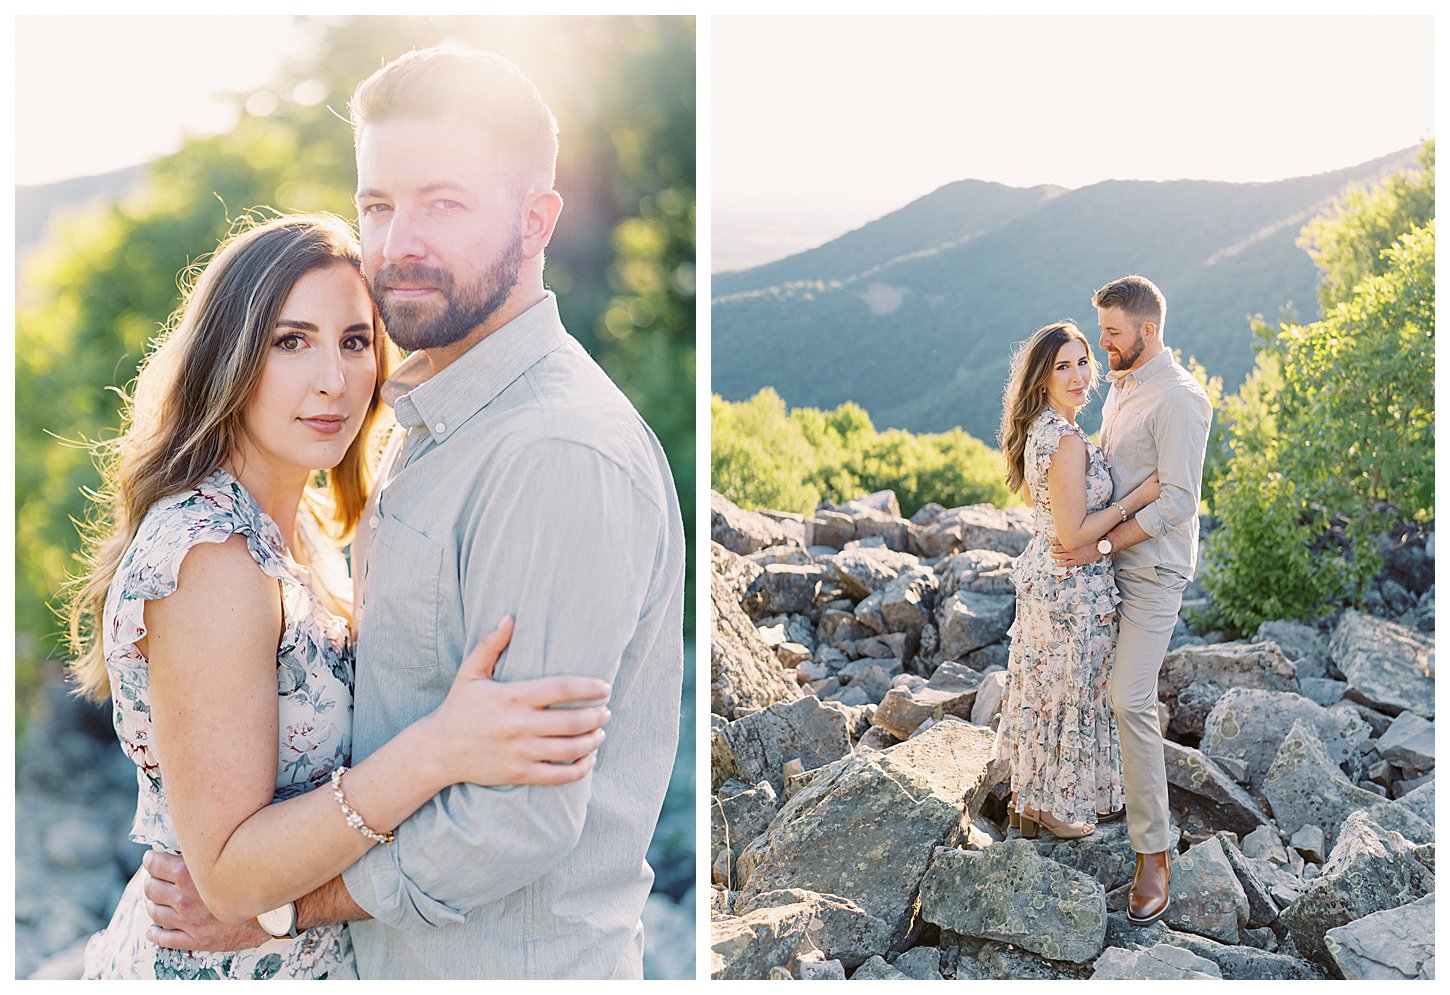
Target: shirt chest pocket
{"points": [[1131, 441], [400, 624]]}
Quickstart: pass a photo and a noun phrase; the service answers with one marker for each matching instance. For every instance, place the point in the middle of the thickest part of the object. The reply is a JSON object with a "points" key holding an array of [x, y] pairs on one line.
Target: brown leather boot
{"points": [[1148, 898]]}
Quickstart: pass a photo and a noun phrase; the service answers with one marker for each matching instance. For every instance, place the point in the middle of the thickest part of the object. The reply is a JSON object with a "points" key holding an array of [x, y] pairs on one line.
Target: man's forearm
{"points": [[328, 904], [1128, 533]]}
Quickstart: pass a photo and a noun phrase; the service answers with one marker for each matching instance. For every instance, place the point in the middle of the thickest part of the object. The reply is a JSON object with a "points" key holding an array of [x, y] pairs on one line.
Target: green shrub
{"points": [[1258, 563]]}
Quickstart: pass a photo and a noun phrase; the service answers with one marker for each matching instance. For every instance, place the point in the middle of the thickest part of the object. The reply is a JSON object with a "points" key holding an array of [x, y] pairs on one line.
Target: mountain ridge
{"points": [[921, 337]]}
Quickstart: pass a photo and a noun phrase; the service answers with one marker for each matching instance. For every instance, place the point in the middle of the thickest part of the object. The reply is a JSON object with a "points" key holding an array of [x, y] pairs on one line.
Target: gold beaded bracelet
{"points": [[1121, 510], [350, 814]]}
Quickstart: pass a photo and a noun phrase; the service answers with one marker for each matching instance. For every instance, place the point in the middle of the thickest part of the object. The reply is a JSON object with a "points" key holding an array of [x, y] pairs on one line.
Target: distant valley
{"points": [[913, 315]]}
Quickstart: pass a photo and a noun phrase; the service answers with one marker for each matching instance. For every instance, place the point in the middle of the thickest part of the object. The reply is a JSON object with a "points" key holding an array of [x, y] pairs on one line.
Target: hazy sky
{"points": [[95, 94], [832, 121]]}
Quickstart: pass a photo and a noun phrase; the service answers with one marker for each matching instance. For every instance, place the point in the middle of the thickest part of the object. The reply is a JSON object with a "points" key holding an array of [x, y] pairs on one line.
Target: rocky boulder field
{"points": [[858, 822]]}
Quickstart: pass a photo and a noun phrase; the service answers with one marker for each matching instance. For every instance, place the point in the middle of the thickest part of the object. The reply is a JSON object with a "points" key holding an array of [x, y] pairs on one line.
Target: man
{"points": [[521, 482], [1156, 418]]}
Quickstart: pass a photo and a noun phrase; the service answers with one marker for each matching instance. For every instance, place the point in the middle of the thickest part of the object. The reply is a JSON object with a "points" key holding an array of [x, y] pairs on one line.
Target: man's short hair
{"points": [[481, 87], [1137, 296]]}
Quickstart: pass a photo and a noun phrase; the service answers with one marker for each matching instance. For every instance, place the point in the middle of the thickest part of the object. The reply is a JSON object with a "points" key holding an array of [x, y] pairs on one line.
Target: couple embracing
{"points": [[357, 769], [1114, 544]]}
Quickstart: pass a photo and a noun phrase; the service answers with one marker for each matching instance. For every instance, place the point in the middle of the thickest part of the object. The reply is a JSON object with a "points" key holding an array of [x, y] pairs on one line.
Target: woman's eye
{"points": [[289, 343], [358, 343]]}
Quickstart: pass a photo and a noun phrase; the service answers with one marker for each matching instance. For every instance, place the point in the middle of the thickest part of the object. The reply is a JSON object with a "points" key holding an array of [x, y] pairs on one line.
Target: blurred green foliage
{"points": [[1334, 430], [763, 456], [622, 260]]}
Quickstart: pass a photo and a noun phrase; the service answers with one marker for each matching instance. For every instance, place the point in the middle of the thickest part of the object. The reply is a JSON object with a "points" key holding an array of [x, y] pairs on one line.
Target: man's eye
{"points": [[374, 208]]}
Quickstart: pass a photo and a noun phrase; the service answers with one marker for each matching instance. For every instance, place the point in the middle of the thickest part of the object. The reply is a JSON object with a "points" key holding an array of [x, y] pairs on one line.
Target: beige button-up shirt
{"points": [[1157, 418], [521, 481]]}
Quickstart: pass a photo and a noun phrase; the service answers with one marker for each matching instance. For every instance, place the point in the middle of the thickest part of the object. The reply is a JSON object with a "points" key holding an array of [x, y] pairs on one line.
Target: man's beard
{"points": [[1125, 360], [419, 325]]}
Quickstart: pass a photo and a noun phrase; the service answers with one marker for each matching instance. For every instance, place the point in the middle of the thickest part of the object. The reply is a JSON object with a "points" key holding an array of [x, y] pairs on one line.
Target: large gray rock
{"points": [[744, 673], [977, 526], [1409, 744], [876, 969], [981, 571], [892, 530], [829, 529], [739, 812], [1244, 963], [864, 570], [966, 958], [1421, 801], [1371, 869], [1249, 724], [736, 572], [1299, 642], [968, 621], [756, 746], [884, 502], [1197, 784], [1388, 666], [1226, 665], [1393, 945], [784, 588], [1192, 706], [1305, 788], [866, 826], [1263, 909], [785, 925], [903, 709], [1164, 962], [1206, 897], [989, 699], [1011, 893], [742, 531], [920, 963], [907, 600]]}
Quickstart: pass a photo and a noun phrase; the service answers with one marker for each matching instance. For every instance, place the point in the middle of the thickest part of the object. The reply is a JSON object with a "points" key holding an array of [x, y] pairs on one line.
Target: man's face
{"points": [[1121, 337], [440, 226]]}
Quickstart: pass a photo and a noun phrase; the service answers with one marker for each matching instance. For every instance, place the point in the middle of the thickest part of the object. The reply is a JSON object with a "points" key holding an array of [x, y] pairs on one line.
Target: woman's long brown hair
{"points": [[184, 414]]}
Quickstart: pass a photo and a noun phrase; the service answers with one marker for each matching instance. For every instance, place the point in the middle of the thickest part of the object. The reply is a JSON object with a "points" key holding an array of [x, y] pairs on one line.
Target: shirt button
{"points": [[374, 522], [438, 428]]}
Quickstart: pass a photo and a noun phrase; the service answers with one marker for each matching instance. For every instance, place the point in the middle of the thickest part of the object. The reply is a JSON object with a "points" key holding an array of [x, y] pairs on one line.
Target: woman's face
{"points": [[319, 375], [1067, 384]]}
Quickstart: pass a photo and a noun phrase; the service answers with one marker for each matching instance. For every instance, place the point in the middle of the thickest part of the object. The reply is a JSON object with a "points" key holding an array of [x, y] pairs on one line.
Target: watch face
{"points": [[278, 922]]}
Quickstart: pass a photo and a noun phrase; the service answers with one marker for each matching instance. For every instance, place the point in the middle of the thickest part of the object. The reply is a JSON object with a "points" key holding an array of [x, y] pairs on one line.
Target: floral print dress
{"points": [[314, 701], [1057, 731]]}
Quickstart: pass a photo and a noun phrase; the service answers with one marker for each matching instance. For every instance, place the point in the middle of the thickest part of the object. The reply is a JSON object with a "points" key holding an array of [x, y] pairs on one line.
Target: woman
{"points": [[1057, 731], [223, 603]]}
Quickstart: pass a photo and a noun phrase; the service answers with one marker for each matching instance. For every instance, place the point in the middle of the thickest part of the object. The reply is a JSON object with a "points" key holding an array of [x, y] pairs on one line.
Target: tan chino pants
{"points": [[1146, 618]]}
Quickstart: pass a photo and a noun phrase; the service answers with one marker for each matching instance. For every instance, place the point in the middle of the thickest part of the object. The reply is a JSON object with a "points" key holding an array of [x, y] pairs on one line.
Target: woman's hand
{"points": [[1146, 493], [515, 732]]}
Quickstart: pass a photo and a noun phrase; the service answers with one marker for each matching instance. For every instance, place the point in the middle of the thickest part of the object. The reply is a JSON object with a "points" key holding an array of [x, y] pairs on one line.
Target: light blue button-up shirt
{"points": [[1156, 418], [521, 481]]}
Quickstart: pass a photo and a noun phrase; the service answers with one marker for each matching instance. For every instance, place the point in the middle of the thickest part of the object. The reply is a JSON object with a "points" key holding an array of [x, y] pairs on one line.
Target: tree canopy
{"points": [[622, 261]]}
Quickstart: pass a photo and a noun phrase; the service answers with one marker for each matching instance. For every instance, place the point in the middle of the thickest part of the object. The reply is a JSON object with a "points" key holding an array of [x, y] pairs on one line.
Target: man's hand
{"points": [[1081, 556], [182, 920]]}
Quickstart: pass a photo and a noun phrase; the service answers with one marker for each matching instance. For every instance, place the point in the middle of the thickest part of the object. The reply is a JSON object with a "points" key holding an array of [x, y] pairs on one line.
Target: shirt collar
{"points": [[1153, 368], [441, 402]]}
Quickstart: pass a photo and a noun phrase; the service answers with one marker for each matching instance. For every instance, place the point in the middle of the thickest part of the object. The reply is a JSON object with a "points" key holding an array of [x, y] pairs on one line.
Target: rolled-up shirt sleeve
{"points": [[562, 539], [1180, 434]]}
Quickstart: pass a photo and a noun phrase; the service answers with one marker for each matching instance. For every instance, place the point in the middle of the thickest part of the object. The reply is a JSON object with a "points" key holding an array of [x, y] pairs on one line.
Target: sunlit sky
{"points": [[823, 123], [100, 93]]}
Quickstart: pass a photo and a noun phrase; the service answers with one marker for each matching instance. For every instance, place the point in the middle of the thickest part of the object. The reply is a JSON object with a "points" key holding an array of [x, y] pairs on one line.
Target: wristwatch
{"points": [[280, 922], [1105, 546]]}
